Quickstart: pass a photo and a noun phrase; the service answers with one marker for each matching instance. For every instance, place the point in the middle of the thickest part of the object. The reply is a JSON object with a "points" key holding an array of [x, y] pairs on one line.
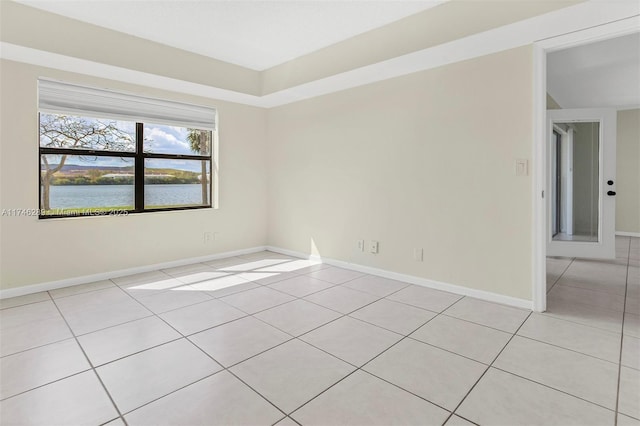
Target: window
{"points": [[108, 153]]}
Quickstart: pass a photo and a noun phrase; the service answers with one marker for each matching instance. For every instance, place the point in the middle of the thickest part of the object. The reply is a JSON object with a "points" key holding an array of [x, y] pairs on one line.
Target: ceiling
{"points": [[605, 74], [422, 41], [250, 33]]}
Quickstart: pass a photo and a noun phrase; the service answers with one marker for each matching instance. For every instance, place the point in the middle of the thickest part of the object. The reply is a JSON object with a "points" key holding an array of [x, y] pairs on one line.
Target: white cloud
{"points": [[166, 139]]}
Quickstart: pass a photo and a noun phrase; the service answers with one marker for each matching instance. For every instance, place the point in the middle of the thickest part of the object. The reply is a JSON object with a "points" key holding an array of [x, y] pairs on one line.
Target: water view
{"points": [[90, 196]]}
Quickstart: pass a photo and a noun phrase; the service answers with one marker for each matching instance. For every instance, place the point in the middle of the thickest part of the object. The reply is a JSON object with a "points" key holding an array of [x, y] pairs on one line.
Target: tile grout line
{"points": [[612, 293], [303, 298], [82, 292], [296, 298], [181, 307], [268, 286], [361, 368], [186, 336], [36, 347], [50, 296], [162, 344], [152, 314], [258, 312], [206, 354], [95, 372], [553, 315], [626, 287], [367, 372], [293, 420], [585, 291], [480, 324], [348, 314], [560, 276], [183, 336], [227, 369], [214, 298], [46, 384], [567, 349], [342, 315], [334, 356], [488, 368], [554, 389], [223, 368], [207, 292]]}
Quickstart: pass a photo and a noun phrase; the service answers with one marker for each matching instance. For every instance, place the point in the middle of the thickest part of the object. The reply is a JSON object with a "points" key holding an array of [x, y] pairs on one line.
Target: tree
{"points": [[200, 143], [62, 131]]}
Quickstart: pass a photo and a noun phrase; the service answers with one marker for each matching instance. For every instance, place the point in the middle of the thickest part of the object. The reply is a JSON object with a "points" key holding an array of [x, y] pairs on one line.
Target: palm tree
{"points": [[200, 143]]}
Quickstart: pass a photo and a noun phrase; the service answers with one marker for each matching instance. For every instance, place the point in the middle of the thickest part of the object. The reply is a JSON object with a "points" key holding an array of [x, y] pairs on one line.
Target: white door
{"points": [[581, 165]]}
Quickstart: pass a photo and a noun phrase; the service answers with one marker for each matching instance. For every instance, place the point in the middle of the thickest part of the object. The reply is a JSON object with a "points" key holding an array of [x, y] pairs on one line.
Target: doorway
{"points": [[564, 203]]}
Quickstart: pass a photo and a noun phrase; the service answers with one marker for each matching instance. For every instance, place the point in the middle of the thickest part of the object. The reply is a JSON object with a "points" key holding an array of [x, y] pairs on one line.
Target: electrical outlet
{"points": [[373, 247], [418, 254], [360, 245], [207, 237]]}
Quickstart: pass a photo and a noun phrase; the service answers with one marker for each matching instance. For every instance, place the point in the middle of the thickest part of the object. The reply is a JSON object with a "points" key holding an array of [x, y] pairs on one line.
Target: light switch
{"points": [[522, 167], [418, 254]]}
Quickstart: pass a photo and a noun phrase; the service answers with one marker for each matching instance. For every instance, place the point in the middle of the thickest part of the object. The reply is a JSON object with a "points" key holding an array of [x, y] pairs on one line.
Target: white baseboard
{"points": [[628, 234], [437, 285], [68, 282]]}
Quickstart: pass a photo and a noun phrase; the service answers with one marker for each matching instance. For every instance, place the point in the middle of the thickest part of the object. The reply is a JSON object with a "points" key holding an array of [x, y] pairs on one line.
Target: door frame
{"points": [[604, 247], [539, 155], [565, 220]]}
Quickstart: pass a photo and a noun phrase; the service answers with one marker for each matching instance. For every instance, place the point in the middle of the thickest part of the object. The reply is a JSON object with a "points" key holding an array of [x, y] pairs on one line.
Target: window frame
{"points": [[139, 156]]}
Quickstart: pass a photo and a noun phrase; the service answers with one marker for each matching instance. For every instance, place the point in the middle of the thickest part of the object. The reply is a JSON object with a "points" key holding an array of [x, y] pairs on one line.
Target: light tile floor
{"points": [[266, 339]]}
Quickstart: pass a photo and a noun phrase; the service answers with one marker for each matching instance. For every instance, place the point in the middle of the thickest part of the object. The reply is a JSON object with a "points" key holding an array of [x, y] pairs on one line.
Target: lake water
{"points": [[85, 196]]}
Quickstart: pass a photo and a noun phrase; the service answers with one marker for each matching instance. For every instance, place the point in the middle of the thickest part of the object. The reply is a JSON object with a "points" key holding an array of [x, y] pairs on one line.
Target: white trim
{"points": [[554, 30], [567, 195], [46, 59], [608, 29], [575, 18], [68, 282], [424, 282], [628, 234], [538, 182]]}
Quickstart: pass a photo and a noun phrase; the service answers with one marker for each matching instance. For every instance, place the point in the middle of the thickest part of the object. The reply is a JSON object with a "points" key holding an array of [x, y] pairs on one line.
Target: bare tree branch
{"points": [[62, 131]]}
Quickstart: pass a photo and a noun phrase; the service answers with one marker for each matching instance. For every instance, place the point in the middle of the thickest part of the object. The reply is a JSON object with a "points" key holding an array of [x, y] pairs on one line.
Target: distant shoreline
{"points": [[107, 176]]}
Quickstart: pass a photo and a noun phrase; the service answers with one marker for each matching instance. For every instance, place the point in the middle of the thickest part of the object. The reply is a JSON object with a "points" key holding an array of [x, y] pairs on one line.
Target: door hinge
{"points": [[542, 194]]}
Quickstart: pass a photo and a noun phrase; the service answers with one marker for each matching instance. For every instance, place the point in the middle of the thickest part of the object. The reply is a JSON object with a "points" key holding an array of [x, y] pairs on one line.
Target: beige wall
{"points": [[37, 251], [421, 161], [551, 103], [628, 172]]}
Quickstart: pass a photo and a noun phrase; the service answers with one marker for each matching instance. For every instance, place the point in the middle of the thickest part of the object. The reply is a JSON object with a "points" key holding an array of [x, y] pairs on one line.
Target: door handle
{"points": [[611, 193]]}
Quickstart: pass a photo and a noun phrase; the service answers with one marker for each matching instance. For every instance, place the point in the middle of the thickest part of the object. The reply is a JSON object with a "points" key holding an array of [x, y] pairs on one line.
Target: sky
{"points": [[166, 139], [158, 138]]}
